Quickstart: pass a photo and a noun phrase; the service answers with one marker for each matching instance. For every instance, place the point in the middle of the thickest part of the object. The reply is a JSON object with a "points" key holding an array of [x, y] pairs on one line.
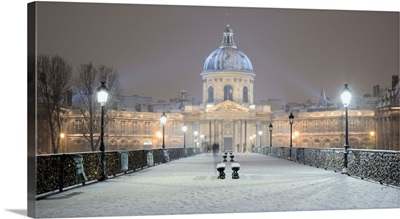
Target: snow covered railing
{"points": [[56, 172], [382, 166]]}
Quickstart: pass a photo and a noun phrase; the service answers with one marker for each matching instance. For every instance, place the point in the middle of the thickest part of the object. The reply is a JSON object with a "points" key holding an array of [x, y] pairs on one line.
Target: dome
{"points": [[227, 57]]}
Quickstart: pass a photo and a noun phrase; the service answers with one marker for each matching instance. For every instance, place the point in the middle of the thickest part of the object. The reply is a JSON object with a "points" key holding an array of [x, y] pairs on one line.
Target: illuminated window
{"points": [[326, 126], [337, 126], [78, 126], [316, 126], [174, 128], [112, 126], [352, 125], [367, 123], [122, 127], [280, 127], [304, 127], [147, 128], [135, 128]]}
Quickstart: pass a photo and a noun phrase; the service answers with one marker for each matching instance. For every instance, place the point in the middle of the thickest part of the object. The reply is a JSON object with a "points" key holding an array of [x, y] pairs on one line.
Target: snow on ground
{"points": [[191, 186]]}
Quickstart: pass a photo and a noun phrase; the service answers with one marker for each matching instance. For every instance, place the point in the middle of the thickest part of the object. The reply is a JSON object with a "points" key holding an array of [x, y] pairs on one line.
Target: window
{"points": [[78, 126], [147, 128], [95, 126], [304, 123], [228, 92], [316, 126], [135, 129], [112, 126], [367, 123], [245, 95], [327, 143], [326, 126], [280, 127], [210, 94], [337, 126], [122, 127], [174, 128], [352, 125]]}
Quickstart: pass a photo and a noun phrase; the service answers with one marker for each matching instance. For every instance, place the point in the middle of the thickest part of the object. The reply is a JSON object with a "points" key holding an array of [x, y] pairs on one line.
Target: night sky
{"points": [[160, 50]]}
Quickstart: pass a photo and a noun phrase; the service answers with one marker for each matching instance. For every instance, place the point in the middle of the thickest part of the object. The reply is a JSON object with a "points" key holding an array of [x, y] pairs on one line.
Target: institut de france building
{"points": [[229, 117]]}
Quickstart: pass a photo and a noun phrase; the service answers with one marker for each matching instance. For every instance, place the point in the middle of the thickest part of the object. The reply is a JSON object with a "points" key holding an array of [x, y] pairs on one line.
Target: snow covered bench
{"points": [[235, 167], [221, 168]]}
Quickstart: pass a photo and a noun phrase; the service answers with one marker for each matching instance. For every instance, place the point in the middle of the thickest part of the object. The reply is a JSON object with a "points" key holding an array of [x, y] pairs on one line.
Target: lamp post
{"points": [[270, 134], [102, 95], [291, 118], [260, 133], [346, 97], [270, 138], [184, 129], [163, 120], [195, 137]]}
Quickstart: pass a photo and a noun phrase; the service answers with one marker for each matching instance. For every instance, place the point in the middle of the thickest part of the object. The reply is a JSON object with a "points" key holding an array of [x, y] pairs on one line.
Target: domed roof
{"points": [[227, 57]]}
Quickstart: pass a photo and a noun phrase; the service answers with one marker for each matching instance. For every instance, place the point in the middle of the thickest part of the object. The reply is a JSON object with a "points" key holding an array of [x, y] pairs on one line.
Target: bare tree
{"points": [[88, 79], [53, 78]]}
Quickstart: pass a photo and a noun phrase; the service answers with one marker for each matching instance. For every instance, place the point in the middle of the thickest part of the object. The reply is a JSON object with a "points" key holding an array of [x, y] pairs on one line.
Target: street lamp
{"points": [[291, 118], [270, 138], [195, 136], [163, 120], [260, 133], [270, 134], [346, 97], [184, 129], [102, 95]]}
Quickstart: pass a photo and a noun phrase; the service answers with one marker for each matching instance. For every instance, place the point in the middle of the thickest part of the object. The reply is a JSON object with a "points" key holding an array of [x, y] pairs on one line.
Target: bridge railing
{"points": [[59, 171], [382, 166]]}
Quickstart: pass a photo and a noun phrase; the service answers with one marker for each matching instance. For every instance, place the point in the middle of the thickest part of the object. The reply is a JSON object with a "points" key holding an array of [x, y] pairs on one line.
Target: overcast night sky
{"points": [[160, 50]]}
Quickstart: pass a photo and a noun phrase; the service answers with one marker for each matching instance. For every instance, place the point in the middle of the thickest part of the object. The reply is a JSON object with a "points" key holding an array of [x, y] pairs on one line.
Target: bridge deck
{"points": [[191, 186]]}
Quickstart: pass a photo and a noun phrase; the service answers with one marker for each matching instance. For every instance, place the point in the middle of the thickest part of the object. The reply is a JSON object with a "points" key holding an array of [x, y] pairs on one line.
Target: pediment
{"points": [[228, 106]]}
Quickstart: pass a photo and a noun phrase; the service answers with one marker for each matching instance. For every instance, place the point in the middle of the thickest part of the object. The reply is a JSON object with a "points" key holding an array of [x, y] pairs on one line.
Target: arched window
{"points": [[210, 94], [327, 143], [245, 95], [228, 92]]}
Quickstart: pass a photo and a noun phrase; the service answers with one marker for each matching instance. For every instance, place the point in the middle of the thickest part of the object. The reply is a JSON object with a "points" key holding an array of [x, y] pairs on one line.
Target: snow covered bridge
{"points": [[191, 186]]}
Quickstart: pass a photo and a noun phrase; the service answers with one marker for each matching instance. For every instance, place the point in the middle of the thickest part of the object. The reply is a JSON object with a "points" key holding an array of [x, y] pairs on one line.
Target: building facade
{"points": [[229, 118]]}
